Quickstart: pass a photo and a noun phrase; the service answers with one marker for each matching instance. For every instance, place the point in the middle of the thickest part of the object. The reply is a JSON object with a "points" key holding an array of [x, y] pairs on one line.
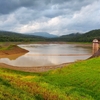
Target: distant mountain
{"points": [[72, 35], [67, 38], [43, 34], [6, 36]]}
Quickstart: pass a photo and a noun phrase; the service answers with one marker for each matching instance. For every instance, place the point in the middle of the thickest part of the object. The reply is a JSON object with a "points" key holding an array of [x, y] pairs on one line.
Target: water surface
{"points": [[49, 54]]}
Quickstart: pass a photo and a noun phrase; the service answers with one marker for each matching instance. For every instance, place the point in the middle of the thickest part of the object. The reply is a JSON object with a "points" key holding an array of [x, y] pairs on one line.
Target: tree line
{"points": [[16, 37], [75, 37]]}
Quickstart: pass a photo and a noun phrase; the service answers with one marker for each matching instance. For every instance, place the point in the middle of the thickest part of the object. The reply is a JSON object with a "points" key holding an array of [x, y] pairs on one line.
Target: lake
{"points": [[49, 54]]}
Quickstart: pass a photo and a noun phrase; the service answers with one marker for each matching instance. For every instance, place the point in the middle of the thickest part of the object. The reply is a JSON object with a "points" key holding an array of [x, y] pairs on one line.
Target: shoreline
{"points": [[13, 50], [16, 51], [34, 69], [12, 53]]}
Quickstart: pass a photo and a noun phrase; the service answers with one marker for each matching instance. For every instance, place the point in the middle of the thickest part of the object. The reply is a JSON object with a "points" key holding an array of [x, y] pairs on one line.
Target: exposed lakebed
{"points": [[49, 54]]}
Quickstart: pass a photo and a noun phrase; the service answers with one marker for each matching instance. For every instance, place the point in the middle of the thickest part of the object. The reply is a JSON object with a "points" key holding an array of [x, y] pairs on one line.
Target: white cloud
{"points": [[56, 17]]}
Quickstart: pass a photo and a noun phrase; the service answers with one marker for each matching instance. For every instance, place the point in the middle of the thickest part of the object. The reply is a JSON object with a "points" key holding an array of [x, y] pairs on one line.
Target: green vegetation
{"points": [[16, 37], [9, 47], [78, 37], [78, 81], [86, 37]]}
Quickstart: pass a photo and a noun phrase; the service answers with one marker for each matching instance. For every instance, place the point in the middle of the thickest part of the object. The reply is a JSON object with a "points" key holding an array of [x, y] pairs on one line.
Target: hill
{"points": [[77, 81], [85, 37], [70, 37], [89, 36], [6, 36], [43, 34]]}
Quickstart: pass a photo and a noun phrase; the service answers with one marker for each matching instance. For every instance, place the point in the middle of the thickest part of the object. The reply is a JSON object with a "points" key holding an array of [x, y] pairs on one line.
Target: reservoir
{"points": [[49, 55]]}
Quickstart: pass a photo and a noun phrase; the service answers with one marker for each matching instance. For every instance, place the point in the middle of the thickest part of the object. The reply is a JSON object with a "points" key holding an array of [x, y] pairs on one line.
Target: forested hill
{"points": [[75, 37], [89, 36], [6, 36], [86, 37], [94, 34]]}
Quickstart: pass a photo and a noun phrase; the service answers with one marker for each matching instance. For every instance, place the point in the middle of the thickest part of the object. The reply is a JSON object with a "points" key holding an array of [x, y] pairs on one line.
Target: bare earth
{"points": [[14, 50], [32, 69]]}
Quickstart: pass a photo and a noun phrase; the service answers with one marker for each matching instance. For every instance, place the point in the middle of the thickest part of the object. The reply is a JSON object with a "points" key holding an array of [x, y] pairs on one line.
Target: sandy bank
{"points": [[14, 50]]}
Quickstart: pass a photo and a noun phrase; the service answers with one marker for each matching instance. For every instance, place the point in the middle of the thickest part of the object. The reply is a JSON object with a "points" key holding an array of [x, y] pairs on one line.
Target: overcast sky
{"points": [[53, 16]]}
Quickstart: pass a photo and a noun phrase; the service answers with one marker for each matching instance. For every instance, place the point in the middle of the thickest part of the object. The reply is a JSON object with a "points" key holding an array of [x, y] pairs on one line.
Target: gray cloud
{"points": [[8, 6], [54, 16]]}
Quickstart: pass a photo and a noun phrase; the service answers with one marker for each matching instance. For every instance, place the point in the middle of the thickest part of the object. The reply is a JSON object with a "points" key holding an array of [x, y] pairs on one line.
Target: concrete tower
{"points": [[95, 45]]}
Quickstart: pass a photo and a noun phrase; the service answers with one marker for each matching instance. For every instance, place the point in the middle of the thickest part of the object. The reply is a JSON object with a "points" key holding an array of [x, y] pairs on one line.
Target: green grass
{"points": [[9, 47], [78, 81]]}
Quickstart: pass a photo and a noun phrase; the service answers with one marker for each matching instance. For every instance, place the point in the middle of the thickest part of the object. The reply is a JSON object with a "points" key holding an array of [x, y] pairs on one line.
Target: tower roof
{"points": [[95, 41]]}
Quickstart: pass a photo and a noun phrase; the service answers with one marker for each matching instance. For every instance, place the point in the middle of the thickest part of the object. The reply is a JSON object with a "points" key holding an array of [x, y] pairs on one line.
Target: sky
{"points": [[58, 17]]}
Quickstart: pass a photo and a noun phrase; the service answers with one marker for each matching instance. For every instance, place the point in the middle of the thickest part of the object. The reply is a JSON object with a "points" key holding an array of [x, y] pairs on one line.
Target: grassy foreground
{"points": [[78, 81]]}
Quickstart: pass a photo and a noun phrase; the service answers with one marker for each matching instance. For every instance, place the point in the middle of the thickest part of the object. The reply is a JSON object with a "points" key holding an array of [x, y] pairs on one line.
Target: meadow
{"points": [[77, 81]]}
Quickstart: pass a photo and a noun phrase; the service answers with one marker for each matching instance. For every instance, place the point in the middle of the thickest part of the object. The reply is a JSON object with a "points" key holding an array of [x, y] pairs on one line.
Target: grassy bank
{"points": [[10, 49], [78, 81]]}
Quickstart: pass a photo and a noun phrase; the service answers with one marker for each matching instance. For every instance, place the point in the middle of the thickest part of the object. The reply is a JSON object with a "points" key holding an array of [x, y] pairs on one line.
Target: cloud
{"points": [[8, 6], [53, 16]]}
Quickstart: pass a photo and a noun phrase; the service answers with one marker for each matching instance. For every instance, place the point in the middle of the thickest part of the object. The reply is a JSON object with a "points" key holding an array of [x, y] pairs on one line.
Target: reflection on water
{"points": [[49, 54]]}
